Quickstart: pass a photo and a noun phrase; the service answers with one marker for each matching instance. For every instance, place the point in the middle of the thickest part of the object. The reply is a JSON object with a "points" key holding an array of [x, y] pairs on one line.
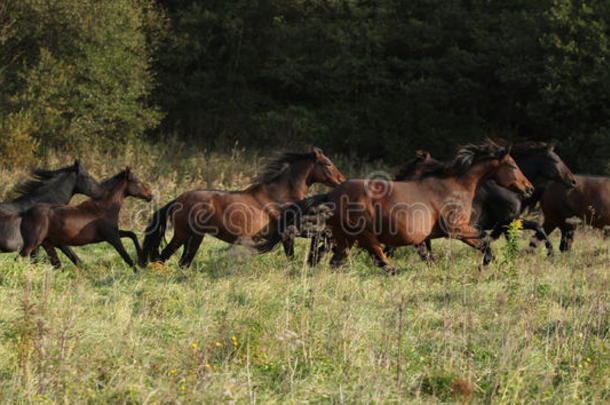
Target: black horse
{"points": [[49, 186]]}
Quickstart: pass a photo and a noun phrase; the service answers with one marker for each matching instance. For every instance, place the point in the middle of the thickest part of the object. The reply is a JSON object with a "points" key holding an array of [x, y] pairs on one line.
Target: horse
{"points": [[92, 221], [589, 200], [495, 207], [237, 216], [49, 186], [376, 212]]}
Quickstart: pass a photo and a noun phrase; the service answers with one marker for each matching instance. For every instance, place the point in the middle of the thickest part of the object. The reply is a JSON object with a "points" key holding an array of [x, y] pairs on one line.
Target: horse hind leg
{"points": [[567, 237], [190, 250], [171, 248]]}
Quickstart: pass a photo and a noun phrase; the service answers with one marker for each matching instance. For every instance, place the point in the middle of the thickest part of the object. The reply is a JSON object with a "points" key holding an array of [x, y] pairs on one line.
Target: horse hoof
{"points": [[390, 270], [551, 254]]}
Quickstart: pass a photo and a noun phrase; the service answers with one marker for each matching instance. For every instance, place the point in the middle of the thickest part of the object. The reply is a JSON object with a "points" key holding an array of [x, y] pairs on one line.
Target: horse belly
{"points": [[406, 224]]}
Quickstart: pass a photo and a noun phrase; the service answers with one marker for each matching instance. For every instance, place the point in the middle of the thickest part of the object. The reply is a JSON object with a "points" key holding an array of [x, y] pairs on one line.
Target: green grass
{"points": [[529, 329], [441, 333]]}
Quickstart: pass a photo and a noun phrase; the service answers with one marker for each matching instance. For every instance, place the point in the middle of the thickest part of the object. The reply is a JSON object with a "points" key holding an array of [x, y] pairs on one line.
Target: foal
{"points": [[93, 221]]}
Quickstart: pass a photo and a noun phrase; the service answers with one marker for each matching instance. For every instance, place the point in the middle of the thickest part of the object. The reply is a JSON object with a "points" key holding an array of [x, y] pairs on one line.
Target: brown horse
{"points": [[589, 200], [373, 212], [237, 216], [92, 221]]}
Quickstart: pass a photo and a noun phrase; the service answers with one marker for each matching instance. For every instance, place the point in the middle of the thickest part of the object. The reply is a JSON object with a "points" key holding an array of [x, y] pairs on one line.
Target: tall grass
{"points": [[244, 328]]}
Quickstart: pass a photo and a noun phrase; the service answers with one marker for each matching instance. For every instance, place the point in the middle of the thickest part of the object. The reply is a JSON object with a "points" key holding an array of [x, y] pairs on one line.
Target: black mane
{"points": [[465, 158], [111, 182], [41, 177], [276, 166]]}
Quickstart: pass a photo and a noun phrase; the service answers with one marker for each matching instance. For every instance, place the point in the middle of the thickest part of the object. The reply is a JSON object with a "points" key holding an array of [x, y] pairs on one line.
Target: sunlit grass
{"points": [[237, 326]]}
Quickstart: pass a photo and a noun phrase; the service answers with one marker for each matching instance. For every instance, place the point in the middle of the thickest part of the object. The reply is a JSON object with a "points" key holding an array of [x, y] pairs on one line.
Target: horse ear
{"points": [[128, 171], [77, 165], [317, 151], [507, 150], [423, 154], [550, 147]]}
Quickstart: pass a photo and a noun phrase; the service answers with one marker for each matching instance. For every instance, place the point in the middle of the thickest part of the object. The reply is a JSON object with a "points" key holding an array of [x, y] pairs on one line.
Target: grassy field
{"points": [[245, 328]]}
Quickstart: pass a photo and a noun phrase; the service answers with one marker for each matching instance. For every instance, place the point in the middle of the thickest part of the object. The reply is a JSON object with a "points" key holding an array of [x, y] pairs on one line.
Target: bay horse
{"points": [[237, 216], [92, 221], [48, 186], [589, 200], [439, 204], [495, 207]]}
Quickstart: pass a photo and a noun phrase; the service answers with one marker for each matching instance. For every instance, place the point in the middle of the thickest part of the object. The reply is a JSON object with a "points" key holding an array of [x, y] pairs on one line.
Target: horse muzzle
{"points": [[528, 192]]}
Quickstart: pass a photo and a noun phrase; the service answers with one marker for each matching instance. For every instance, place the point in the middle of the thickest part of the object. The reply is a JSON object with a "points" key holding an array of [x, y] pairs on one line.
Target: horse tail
{"points": [[155, 230], [292, 222]]}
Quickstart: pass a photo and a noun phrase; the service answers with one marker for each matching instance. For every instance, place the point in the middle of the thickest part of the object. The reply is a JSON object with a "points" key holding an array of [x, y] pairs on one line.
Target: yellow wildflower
{"points": [[194, 345], [172, 371], [182, 388], [218, 344]]}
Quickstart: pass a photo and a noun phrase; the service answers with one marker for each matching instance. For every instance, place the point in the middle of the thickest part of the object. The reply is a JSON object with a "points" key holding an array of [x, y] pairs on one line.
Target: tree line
{"points": [[375, 78]]}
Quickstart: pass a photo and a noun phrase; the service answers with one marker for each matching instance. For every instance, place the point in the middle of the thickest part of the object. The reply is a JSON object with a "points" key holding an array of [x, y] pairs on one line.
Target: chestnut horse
{"points": [[237, 216], [92, 221], [495, 207], [589, 200], [374, 212]]}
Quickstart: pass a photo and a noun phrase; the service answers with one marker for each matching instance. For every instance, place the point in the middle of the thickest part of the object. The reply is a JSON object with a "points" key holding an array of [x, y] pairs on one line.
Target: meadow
{"points": [[246, 328]]}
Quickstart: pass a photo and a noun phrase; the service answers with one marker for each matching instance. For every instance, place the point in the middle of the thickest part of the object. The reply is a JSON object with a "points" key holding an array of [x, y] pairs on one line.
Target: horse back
{"points": [[589, 200]]}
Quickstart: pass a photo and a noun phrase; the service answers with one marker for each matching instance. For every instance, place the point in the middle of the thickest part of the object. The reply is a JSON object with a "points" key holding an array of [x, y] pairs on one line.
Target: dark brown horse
{"points": [[589, 201], [237, 216], [93, 221], [373, 212]]}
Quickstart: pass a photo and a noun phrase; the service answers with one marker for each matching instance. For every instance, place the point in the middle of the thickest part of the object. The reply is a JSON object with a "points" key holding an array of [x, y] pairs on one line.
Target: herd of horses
{"points": [[472, 198]]}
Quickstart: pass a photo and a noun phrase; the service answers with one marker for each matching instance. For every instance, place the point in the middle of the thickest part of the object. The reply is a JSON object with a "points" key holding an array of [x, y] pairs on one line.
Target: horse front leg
{"points": [[317, 250], [477, 239], [134, 238], [115, 240], [50, 249], [66, 250]]}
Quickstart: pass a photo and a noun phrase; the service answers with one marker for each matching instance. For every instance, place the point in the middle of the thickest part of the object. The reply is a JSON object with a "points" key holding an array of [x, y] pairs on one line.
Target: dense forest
{"points": [[377, 79]]}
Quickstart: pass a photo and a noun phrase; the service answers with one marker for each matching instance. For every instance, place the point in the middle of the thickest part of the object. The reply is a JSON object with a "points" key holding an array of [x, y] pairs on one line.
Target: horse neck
{"points": [[476, 173], [290, 186], [114, 195], [58, 190]]}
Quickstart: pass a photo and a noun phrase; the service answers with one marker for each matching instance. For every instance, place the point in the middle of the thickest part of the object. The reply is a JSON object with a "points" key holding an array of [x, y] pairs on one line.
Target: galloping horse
{"points": [[92, 221], [48, 186], [237, 216], [374, 212], [494, 207], [589, 200]]}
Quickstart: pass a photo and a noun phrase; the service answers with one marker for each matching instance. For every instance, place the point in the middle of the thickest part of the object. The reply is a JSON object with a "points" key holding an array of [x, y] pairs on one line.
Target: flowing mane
{"points": [[276, 166], [111, 182], [40, 178], [465, 158], [422, 162]]}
